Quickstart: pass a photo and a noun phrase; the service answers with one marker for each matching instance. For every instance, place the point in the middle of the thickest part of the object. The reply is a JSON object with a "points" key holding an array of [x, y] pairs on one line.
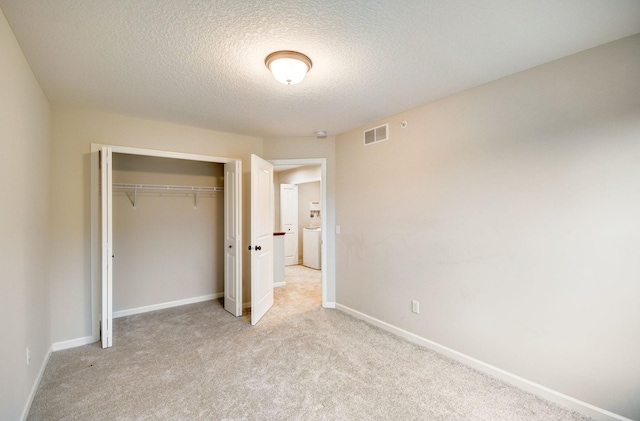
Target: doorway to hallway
{"points": [[300, 208]]}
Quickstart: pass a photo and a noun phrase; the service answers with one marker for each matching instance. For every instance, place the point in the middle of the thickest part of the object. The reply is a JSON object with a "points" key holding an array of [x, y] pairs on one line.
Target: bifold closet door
{"points": [[106, 215], [233, 237]]}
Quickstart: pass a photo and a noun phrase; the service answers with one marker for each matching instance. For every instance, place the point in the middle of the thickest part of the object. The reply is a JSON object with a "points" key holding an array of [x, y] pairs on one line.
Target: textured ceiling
{"points": [[201, 62]]}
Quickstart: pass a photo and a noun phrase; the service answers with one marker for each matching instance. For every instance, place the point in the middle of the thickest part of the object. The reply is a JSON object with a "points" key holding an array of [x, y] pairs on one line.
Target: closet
{"points": [[168, 232]]}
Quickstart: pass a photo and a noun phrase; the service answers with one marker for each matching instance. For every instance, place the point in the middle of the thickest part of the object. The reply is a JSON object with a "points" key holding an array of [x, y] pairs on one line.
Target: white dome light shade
{"points": [[288, 67]]}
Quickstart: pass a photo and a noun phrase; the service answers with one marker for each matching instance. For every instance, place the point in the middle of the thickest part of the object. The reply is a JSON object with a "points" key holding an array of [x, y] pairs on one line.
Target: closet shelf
{"points": [[165, 187], [168, 187]]}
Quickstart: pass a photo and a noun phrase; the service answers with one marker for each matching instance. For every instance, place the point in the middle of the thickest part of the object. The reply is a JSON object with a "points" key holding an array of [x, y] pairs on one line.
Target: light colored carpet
{"points": [[301, 362]]}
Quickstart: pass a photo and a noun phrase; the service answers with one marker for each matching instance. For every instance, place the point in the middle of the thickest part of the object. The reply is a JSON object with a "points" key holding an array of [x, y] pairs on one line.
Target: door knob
{"points": [[258, 247], [249, 247]]}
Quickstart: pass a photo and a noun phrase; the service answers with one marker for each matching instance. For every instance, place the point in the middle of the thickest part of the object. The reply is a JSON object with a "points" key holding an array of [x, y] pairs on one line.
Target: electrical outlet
{"points": [[28, 356], [415, 306], [338, 229]]}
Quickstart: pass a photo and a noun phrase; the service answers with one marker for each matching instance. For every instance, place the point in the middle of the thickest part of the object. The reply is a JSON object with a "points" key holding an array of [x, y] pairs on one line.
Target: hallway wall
{"points": [[307, 192]]}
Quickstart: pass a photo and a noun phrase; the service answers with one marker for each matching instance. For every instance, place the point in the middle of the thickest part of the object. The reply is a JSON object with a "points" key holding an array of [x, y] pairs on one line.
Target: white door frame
{"points": [[323, 212], [106, 243], [95, 214]]}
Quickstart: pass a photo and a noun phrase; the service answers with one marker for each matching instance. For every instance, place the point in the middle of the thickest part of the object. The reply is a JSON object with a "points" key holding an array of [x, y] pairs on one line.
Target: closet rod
{"points": [[167, 187]]}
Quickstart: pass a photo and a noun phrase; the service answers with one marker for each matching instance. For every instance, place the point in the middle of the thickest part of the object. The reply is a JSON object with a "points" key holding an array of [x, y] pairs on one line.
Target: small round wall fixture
{"points": [[288, 67]]}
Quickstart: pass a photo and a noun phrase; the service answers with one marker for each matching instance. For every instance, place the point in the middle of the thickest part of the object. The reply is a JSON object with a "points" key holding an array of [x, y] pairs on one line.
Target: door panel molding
{"points": [[261, 247], [289, 222]]}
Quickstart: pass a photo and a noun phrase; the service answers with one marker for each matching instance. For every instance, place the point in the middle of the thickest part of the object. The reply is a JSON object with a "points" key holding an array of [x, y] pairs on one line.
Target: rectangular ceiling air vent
{"points": [[377, 134]]}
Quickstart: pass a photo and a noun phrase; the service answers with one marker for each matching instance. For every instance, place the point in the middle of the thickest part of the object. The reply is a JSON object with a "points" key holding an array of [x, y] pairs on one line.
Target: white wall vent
{"points": [[377, 134]]}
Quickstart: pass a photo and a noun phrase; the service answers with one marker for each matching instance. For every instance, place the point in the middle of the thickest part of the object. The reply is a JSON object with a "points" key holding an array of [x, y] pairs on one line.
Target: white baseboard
{"points": [[520, 382], [59, 346], [246, 305], [279, 284], [329, 304], [36, 384], [161, 306]]}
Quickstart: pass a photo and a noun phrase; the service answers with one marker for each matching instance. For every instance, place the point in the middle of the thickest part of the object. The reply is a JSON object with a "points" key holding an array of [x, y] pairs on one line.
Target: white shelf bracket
{"points": [[195, 202]]}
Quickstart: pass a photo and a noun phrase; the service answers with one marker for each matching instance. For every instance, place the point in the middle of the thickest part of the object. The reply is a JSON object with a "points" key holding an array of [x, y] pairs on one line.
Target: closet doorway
{"points": [[102, 230], [168, 239]]}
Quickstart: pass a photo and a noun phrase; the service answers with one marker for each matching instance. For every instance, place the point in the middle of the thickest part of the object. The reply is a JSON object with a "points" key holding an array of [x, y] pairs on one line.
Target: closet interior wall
{"points": [[166, 249]]}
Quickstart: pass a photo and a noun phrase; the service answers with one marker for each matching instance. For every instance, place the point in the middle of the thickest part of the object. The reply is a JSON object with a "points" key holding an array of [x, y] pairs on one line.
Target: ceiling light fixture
{"points": [[288, 67]]}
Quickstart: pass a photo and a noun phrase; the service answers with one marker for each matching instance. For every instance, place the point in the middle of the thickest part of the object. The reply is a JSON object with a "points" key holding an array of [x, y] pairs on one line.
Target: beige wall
{"points": [[24, 227], [310, 147], [300, 175], [73, 132], [166, 250], [307, 192], [511, 213]]}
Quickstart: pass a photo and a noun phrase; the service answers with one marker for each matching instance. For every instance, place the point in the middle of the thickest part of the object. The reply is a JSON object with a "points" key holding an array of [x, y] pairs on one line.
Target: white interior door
{"points": [[106, 216], [261, 247], [289, 222], [233, 237]]}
